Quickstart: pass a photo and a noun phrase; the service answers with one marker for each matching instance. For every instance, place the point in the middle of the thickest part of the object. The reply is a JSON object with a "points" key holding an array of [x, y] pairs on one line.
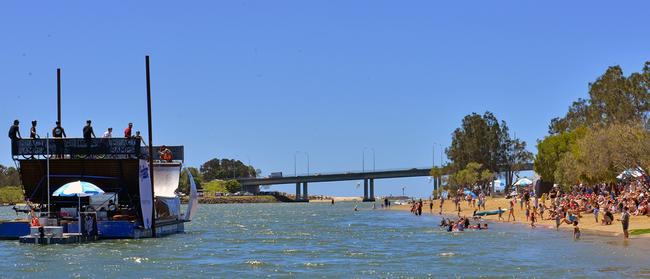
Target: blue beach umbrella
{"points": [[523, 182], [468, 192], [78, 188]]}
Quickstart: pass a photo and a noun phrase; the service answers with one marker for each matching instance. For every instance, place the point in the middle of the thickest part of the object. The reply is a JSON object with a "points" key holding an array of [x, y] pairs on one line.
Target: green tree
{"points": [[613, 99], [226, 169], [184, 183], [600, 136], [436, 172], [232, 186], [9, 176], [215, 186], [515, 157], [551, 150], [11, 194], [466, 177], [483, 140], [476, 140], [568, 172], [604, 153], [485, 179]]}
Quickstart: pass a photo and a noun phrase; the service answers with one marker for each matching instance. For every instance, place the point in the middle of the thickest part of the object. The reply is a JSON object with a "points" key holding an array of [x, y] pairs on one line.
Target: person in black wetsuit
{"points": [[58, 133], [14, 135], [88, 135], [32, 131], [88, 130]]}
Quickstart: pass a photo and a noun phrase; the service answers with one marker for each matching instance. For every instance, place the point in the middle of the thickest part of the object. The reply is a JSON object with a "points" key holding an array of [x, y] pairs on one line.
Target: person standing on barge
{"points": [[108, 134], [58, 133], [88, 135], [32, 131], [127, 131], [14, 135], [88, 131]]}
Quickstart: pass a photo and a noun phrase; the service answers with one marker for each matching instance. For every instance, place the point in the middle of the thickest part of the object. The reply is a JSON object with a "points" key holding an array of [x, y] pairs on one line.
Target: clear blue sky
{"points": [[259, 80]]}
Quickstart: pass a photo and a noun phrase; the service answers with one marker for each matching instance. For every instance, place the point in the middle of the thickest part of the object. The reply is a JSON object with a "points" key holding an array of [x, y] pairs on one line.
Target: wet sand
{"points": [[587, 222]]}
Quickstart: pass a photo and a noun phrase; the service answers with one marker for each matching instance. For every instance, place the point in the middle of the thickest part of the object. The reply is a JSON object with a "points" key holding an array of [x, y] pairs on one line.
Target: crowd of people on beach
{"points": [[628, 197]]}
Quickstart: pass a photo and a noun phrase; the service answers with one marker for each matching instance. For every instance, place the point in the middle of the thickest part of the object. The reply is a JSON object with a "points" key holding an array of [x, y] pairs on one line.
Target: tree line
{"points": [[602, 135], [598, 138], [218, 175]]}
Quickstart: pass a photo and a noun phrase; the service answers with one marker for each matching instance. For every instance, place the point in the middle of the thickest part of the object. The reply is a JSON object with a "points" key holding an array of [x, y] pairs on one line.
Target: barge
{"points": [[123, 209], [84, 189]]}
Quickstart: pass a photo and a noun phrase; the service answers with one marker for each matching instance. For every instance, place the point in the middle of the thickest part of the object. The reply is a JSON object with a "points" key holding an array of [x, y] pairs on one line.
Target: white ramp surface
{"points": [[165, 179]]}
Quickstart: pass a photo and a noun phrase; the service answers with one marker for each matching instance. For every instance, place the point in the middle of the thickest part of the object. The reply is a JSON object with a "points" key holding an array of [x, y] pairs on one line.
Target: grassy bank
{"points": [[11, 194]]}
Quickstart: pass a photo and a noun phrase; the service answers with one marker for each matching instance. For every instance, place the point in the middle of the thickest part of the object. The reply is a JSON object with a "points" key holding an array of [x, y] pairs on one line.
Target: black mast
{"points": [[58, 95], [153, 208]]}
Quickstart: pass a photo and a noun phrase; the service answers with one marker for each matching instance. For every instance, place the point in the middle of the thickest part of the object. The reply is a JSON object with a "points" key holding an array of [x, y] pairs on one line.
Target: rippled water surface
{"points": [[319, 240]]}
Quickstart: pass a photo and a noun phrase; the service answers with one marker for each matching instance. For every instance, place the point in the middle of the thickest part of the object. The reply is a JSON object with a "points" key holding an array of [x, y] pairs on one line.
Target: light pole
{"points": [[373, 159], [295, 173], [403, 191], [364, 158], [433, 154], [433, 161]]}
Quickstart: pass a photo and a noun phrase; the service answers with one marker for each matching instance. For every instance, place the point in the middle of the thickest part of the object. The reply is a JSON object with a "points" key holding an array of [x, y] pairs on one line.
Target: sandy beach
{"points": [[587, 221]]}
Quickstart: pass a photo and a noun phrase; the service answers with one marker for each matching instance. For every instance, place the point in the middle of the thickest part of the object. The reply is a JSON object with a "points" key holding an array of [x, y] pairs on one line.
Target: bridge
{"points": [[368, 177]]}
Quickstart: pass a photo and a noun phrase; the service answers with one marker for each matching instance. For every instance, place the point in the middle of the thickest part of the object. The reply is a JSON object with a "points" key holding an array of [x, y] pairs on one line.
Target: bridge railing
{"points": [[336, 173]]}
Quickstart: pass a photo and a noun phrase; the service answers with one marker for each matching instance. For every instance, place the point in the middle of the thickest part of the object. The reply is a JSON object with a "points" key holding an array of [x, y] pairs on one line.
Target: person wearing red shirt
{"points": [[127, 131]]}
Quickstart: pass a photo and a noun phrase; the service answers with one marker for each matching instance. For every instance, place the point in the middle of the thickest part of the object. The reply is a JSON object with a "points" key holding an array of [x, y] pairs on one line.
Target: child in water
{"points": [[576, 230], [532, 219]]}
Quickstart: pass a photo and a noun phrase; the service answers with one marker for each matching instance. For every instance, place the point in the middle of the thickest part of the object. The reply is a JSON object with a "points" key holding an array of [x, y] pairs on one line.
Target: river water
{"points": [[320, 240]]}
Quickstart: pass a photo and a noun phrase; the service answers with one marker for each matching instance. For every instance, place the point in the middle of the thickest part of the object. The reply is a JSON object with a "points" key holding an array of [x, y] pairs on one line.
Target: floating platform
{"points": [[14, 229], [66, 238], [54, 235]]}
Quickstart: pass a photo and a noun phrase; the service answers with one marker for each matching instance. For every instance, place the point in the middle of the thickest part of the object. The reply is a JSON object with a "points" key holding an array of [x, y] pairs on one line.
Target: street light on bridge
{"points": [[295, 172], [363, 159]]}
